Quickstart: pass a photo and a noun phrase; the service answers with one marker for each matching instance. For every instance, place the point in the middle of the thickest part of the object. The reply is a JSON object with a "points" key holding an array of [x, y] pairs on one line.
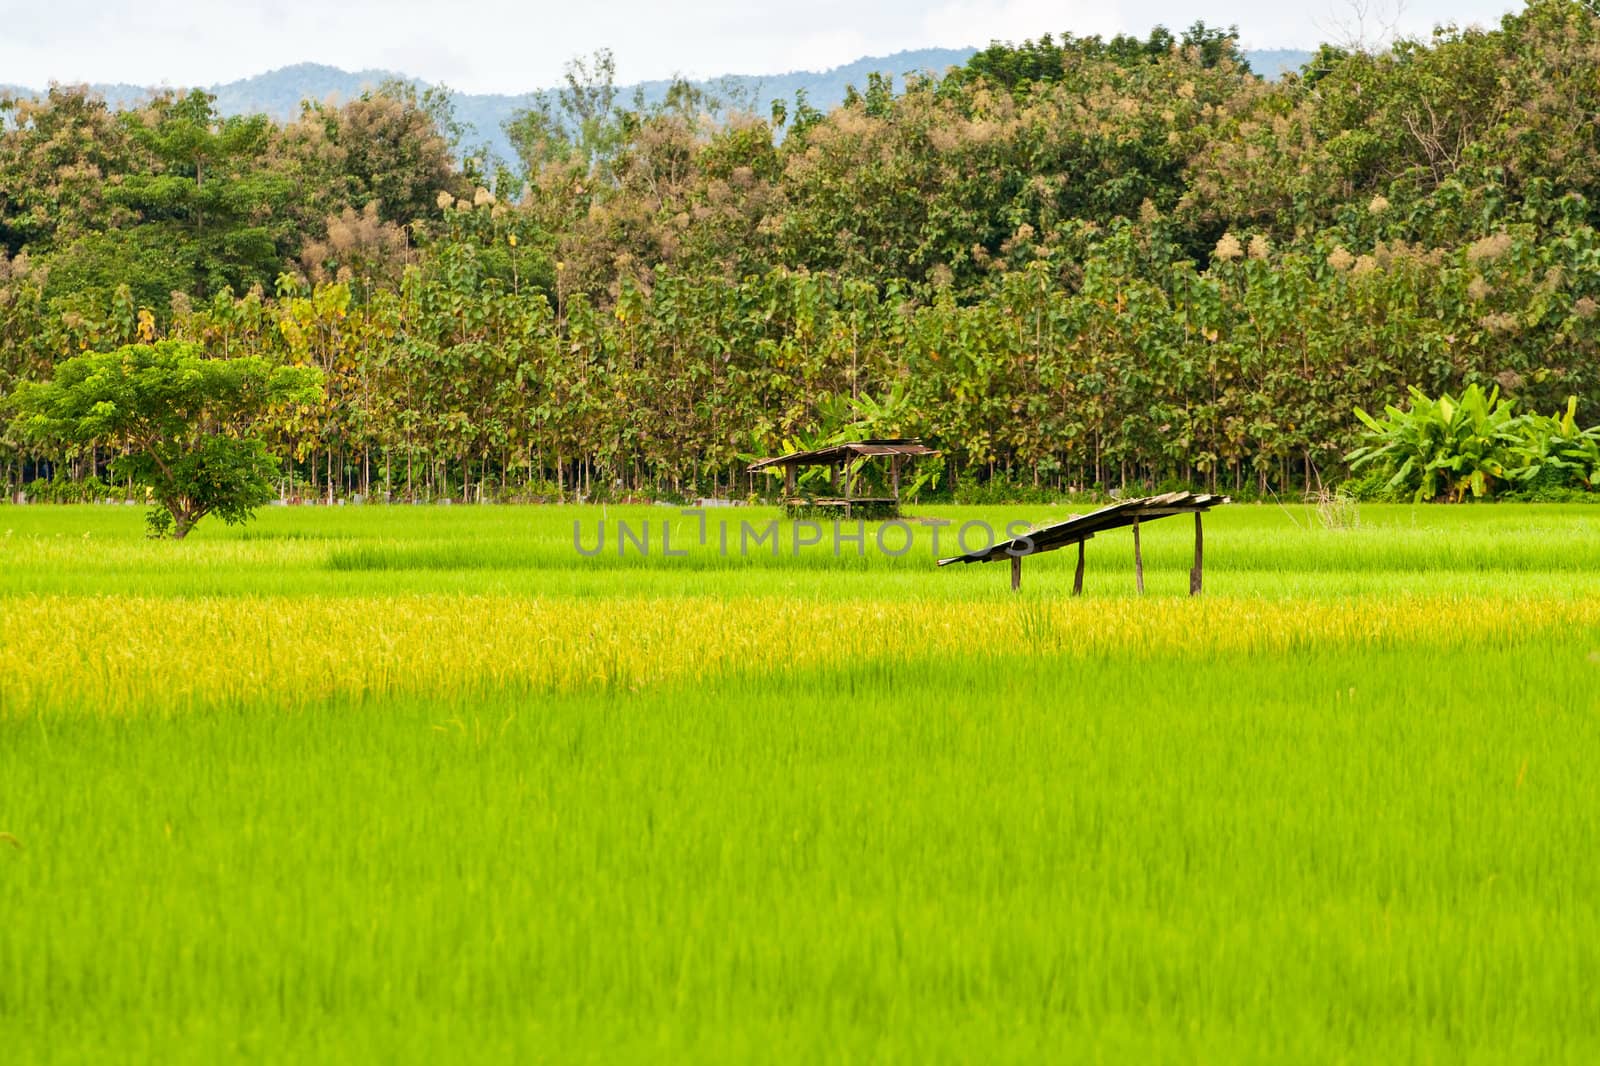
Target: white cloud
{"points": [[823, 49], [977, 22]]}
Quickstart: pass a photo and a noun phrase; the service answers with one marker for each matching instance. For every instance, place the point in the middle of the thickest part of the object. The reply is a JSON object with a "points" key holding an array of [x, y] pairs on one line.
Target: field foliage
{"points": [[399, 784]]}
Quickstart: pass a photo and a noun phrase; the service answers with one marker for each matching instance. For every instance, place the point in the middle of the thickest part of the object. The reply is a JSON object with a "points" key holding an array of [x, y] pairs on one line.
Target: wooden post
{"points": [[788, 479], [1199, 549], [847, 488], [894, 476], [1077, 579], [1138, 560], [1016, 573]]}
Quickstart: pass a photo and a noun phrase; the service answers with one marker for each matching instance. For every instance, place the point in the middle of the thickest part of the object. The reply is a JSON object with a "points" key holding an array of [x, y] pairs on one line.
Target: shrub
{"points": [[1553, 453], [1449, 447], [65, 490]]}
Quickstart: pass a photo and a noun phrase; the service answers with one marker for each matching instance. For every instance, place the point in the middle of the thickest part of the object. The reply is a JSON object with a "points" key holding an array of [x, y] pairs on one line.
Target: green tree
{"points": [[56, 153], [183, 424], [207, 195]]}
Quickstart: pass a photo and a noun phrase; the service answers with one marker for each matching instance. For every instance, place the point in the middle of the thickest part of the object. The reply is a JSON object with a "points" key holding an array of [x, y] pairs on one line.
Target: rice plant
{"points": [[261, 799]]}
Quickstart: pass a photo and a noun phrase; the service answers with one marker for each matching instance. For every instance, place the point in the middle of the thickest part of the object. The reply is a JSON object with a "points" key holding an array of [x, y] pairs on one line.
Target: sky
{"points": [[519, 45]]}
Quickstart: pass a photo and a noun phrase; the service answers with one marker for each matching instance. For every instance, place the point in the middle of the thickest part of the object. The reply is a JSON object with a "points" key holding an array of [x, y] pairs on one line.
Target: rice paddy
{"points": [[425, 783]]}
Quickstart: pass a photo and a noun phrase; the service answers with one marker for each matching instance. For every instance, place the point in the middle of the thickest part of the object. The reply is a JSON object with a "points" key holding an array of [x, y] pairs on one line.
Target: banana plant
{"points": [[1445, 447], [1554, 451]]}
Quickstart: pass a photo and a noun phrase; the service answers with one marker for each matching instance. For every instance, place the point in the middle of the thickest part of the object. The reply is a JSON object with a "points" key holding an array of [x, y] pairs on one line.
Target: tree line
{"points": [[1073, 262]]}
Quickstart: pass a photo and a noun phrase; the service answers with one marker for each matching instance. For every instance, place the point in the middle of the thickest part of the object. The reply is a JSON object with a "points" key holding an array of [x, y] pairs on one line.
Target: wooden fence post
{"points": [[1077, 579], [1138, 560], [1016, 573], [1199, 548]]}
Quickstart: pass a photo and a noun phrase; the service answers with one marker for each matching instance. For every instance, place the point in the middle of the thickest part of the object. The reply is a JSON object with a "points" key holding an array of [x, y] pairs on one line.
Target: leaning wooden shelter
{"points": [[1080, 529], [846, 460]]}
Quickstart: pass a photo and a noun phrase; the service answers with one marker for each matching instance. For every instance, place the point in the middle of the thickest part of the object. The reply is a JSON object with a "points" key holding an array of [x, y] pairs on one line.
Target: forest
{"points": [[1073, 264]]}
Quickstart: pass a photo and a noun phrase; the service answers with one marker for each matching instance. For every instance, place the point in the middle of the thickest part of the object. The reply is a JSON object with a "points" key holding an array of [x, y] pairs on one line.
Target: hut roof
{"points": [[838, 453], [1082, 527]]}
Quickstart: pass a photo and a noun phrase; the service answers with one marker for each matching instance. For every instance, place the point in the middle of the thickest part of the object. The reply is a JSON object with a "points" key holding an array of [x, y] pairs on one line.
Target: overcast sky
{"points": [[512, 46]]}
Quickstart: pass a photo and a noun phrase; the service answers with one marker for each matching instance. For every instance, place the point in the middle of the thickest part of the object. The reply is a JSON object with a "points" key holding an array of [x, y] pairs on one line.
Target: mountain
{"points": [[483, 113], [1273, 63], [279, 92]]}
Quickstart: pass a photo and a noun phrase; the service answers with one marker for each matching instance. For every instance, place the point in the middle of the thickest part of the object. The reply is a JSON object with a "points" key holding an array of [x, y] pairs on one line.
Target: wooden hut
{"points": [[846, 461], [1080, 529]]}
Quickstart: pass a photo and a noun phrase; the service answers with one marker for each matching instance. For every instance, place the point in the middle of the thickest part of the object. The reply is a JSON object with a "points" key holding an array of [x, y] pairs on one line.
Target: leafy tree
{"points": [[588, 99], [581, 125], [538, 136], [1046, 61], [392, 146], [182, 424], [1213, 45], [56, 154], [206, 195], [89, 270]]}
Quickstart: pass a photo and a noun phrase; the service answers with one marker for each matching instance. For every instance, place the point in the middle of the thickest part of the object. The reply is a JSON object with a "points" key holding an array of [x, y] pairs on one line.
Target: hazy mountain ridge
{"points": [[280, 92], [1271, 63]]}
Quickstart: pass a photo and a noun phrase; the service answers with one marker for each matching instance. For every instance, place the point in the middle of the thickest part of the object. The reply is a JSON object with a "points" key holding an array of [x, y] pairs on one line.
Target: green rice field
{"points": [[425, 784]]}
